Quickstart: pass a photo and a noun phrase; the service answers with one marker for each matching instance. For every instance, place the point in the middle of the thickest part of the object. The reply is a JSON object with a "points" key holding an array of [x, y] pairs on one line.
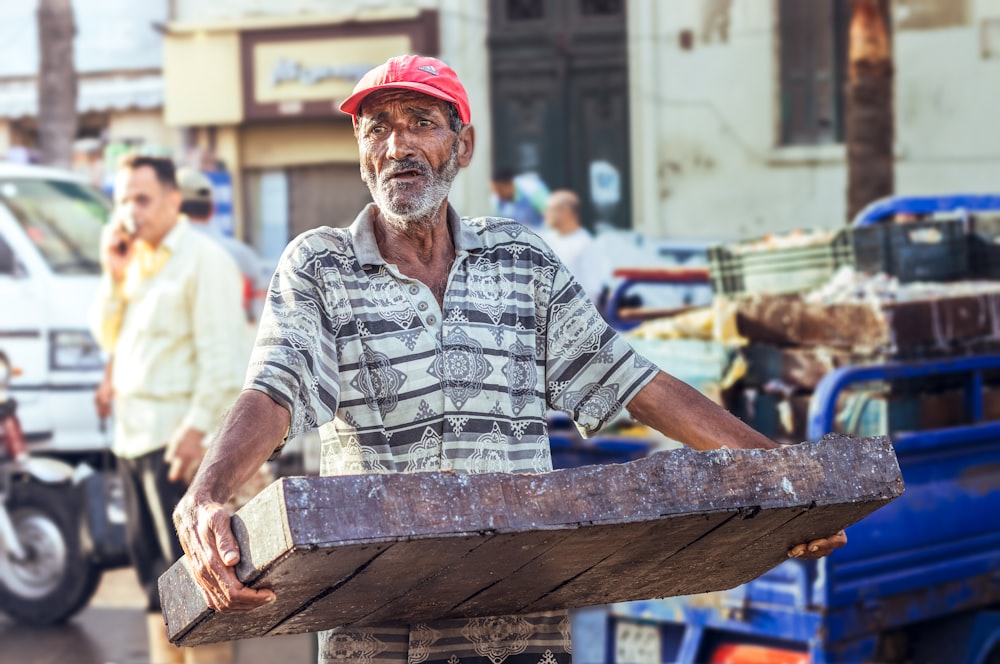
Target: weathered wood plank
{"points": [[405, 548], [500, 556], [934, 326]]}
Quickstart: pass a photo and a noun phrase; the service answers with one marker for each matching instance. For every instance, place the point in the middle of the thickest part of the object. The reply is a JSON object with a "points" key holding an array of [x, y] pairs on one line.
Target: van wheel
{"points": [[55, 579]]}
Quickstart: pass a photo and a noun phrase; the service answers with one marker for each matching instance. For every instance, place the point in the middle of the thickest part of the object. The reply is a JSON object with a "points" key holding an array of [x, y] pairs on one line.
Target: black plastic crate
{"points": [[984, 246], [737, 269], [933, 250]]}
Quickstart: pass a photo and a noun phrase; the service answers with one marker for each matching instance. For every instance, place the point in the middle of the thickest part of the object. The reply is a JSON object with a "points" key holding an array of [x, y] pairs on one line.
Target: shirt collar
{"points": [[175, 235], [148, 261], [170, 241], [362, 231]]}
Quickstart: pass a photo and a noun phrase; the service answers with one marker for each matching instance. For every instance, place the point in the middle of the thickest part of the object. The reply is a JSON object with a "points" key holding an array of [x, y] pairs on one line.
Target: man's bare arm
{"points": [[684, 414], [253, 428], [250, 433]]}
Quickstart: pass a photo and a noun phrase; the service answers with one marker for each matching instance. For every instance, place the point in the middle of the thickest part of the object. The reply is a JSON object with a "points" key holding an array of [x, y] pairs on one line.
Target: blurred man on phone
{"points": [[169, 311]]}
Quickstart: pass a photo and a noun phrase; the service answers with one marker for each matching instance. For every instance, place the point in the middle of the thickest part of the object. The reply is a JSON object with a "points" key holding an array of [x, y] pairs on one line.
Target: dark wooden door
{"points": [[324, 195], [559, 86]]}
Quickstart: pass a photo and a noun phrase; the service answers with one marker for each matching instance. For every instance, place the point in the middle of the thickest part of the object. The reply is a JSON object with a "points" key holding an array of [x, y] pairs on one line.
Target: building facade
{"points": [[257, 84], [696, 119], [737, 110]]}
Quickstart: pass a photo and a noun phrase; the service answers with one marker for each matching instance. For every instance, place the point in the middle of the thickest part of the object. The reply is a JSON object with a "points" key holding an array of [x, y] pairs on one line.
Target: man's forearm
{"points": [[681, 413], [254, 427], [106, 314]]}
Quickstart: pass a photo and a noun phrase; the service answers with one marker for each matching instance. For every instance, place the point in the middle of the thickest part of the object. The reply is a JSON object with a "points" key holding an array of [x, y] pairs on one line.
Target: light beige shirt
{"points": [[175, 327]]}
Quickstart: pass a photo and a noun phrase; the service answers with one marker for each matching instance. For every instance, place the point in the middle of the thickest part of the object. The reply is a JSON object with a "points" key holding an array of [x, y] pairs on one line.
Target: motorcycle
{"points": [[47, 569]]}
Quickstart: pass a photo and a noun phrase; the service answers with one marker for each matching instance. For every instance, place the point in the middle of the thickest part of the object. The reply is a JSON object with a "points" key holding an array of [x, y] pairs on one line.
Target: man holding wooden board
{"points": [[419, 340]]}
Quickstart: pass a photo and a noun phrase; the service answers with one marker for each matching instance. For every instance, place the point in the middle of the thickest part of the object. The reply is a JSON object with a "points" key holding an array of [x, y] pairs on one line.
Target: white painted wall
{"points": [[196, 11], [704, 122], [706, 160], [948, 105], [463, 46]]}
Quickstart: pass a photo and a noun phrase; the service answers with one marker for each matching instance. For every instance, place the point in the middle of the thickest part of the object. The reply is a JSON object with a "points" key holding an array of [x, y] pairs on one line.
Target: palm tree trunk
{"points": [[57, 83], [869, 123]]}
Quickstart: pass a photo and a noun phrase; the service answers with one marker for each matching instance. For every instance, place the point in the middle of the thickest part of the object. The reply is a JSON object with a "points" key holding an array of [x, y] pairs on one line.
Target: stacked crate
{"points": [[926, 250], [984, 245], [793, 343], [787, 264]]}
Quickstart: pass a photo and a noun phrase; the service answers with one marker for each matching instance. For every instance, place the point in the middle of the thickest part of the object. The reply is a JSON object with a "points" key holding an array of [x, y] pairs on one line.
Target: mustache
{"points": [[405, 165]]}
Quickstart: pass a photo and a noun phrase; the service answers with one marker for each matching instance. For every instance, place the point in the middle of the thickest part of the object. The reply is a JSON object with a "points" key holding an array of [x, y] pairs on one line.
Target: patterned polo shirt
{"points": [[397, 383]]}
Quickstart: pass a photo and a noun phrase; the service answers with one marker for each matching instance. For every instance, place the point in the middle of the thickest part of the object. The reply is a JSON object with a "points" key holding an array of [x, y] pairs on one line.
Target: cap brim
{"points": [[351, 104]]}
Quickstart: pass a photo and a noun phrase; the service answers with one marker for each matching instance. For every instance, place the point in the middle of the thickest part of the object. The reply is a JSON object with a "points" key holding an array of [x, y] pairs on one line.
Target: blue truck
{"points": [[918, 582]]}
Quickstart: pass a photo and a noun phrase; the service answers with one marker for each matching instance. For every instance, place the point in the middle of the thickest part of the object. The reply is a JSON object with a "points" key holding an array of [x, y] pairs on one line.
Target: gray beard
{"points": [[420, 210]]}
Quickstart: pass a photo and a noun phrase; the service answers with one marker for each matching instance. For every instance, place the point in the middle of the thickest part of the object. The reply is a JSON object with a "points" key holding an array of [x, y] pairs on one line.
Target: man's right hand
{"points": [[103, 398], [116, 251], [207, 537]]}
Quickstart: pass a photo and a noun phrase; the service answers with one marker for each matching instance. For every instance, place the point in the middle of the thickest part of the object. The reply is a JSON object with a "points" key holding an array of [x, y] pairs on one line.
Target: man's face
{"points": [[153, 207], [409, 153], [556, 216], [504, 189]]}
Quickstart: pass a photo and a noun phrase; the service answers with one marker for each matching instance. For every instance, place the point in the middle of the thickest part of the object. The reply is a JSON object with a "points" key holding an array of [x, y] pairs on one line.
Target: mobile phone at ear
{"points": [[127, 227]]}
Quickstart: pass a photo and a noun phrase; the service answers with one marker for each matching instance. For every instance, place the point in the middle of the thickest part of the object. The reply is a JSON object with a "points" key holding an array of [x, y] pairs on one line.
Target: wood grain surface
{"points": [[406, 548]]}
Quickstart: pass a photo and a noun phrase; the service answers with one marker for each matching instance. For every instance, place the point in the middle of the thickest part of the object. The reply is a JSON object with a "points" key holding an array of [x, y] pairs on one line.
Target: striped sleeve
{"points": [[294, 360], [591, 372]]}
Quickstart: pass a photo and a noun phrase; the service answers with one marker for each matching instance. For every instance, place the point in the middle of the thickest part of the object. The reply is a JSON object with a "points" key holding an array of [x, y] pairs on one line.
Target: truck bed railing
{"points": [[823, 407], [933, 552]]}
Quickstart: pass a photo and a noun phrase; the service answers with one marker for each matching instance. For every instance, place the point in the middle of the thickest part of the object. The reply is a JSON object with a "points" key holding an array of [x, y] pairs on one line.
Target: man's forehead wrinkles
{"points": [[411, 103], [407, 110]]}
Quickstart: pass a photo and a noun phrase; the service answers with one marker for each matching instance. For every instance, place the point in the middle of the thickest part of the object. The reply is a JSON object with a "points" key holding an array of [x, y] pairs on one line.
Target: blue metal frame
{"points": [[922, 560], [929, 554], [823, 406], [886, 208], [666, 277]]}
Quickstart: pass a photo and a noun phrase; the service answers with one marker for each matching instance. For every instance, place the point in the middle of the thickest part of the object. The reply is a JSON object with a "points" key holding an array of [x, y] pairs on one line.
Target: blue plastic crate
{"points": [[737, 269], [933, 250]]}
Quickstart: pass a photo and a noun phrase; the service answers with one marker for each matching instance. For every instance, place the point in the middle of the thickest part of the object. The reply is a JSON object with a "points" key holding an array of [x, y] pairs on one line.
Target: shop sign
{"points": [[309, 71]]}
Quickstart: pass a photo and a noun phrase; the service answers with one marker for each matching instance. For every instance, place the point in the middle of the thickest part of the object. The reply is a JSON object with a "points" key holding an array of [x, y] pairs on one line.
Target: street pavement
{"points": [[112, 630]]}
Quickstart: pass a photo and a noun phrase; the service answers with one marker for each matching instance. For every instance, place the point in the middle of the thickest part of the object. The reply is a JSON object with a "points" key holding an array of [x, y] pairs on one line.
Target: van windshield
{"points": [[63, 219]]}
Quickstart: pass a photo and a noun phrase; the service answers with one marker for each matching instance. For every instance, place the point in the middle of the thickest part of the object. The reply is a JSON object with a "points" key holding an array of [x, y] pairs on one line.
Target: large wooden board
{"points": [[406, 548]]}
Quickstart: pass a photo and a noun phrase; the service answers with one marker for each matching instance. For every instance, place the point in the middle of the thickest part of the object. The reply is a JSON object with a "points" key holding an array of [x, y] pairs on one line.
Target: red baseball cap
{"points": [[412, 72]]}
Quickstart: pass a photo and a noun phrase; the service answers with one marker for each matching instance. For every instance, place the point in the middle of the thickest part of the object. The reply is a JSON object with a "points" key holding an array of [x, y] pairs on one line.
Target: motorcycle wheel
{"points": [[56, 579]]}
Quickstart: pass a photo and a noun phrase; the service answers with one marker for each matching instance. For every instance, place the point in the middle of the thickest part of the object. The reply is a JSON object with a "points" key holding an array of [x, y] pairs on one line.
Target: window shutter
{"points": [[812, 47]]}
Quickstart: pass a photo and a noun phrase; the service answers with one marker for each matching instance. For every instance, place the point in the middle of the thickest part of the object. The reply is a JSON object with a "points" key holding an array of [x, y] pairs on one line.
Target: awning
{"points": [[19, 99]]}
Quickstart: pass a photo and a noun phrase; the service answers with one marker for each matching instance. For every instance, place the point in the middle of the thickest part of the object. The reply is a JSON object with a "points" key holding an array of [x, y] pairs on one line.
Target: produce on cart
{"points": [[904, 341]]}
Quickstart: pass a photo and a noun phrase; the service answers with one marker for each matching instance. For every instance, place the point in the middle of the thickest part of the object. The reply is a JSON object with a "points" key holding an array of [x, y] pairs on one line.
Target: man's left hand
{"points": [[184, 454], [819, 548], [103, 398]]}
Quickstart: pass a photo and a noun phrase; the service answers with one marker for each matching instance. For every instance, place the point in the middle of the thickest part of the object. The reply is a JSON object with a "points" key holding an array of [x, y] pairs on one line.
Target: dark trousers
{"points": [[149, 529]]}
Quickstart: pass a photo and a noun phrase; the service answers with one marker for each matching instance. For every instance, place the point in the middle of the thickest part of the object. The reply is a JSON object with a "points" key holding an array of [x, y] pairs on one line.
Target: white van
{"points": [[50, 227]]}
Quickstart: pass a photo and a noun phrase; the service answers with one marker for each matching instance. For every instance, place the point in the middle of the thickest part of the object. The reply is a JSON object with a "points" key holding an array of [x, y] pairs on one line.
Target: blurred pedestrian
{"points": [[573, 244], [198, 205], [168, 310], [519, 197]]}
